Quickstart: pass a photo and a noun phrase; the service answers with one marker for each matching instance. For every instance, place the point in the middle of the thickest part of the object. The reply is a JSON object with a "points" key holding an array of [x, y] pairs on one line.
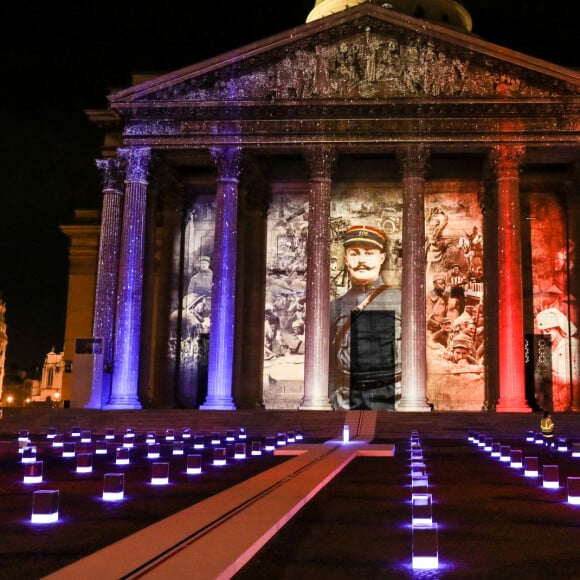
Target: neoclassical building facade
{"points": [[228, 186]]}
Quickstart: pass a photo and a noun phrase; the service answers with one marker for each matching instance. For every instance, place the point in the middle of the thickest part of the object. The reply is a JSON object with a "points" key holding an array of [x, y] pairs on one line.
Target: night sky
{"points": [[62, 58]]}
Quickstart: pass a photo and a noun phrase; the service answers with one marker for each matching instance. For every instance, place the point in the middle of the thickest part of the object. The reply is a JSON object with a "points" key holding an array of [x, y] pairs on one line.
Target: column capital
{"points": [[414, 160], [112, 173], [506, 159], [228, 161], [320, 161], [137, 161]]}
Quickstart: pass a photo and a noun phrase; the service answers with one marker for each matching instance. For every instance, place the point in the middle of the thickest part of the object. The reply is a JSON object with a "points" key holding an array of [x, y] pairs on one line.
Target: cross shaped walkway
{"points": [[215, 538]]}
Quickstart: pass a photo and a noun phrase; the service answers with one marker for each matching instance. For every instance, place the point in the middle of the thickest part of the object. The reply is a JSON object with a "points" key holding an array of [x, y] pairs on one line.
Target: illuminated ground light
{"points": [[84, 463], [109, 433], [86, 436], [101, 447], [270, 444], [58, 441], [345, 434], [33, 472], [23, 436], [551, 476], [530, 436], [28, 454], [291, 437], [256, 448], [198, 442], [153, 451], [281, 439], [150, 438], [539, 439], [562, 445], [576, 449], [130, 432], [488, 444], [69, 449], [420, 483], [45, 506], [219, 456], [470, 436], [242, 433], [169, 435], [240, 451], [481, 442], [417, 455], [51, 432], [230, 435], [186, 433], [573, 485], [495, 450], [178, 448], [299, 436], [216, 439], [516, 459], [193, 464], [425, 548], [504, 455], [159, 473], [123, 456], [422, 509], [113, 486], [75, 432], [531, 468], [128, 441]]}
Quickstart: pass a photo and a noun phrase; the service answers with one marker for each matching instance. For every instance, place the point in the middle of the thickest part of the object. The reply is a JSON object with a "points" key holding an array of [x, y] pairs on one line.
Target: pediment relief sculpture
{"points": [[366, 65]]}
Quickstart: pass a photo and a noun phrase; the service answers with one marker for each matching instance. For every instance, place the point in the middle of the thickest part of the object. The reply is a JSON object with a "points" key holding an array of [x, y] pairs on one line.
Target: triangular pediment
{"points": [[366, 52]]}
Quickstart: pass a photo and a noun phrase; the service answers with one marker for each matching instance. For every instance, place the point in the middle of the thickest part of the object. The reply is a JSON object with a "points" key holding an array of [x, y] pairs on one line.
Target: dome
{"points": [[444, 12]]}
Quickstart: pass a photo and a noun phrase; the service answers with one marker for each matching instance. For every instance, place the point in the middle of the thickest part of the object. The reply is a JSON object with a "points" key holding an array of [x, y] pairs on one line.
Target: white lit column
{"points": [[413, 161], [106, 288], [319, 161], [223, 296], [506, 161], [125, 380]]}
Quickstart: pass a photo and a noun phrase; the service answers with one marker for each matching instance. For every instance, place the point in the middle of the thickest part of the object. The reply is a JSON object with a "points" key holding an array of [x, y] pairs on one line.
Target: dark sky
{"points": [[61, 58]]}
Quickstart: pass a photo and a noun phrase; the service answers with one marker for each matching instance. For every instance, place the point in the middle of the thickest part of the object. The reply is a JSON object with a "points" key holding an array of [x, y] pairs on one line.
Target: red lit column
{"points": [[319, 161], [506, 161], [413, 161], [106, 288], [127, 339], [223, 296]]}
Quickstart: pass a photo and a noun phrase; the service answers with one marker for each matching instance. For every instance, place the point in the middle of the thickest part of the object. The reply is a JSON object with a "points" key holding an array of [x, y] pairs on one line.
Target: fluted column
{"points": [[413, 160], [506, 162], [223, 296], [320, 161], [125, 384], [106, 288]]}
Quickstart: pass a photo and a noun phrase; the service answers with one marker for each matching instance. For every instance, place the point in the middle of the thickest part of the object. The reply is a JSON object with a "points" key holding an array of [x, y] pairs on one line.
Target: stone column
{"points": [[106, 288], [572, 187], [319, 161], [223, 296], [506, 162], [125, 384], [413, 160]]}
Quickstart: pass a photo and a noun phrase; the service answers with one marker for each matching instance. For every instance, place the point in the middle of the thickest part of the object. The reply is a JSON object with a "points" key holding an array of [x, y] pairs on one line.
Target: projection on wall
{"points": [[455, 301], [552, 346], [190, 323]]}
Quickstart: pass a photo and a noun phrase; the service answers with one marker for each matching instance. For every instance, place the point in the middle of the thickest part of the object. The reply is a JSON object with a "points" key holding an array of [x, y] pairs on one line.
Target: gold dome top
{"points": [[445, 12]]}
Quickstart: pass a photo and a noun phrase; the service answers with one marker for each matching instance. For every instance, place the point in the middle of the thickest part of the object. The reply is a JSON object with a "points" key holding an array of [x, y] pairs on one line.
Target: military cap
{"points": [[365, 235]]}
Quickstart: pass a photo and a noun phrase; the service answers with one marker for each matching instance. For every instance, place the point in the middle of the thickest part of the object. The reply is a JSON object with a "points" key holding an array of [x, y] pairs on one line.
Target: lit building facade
{"points": [[228, 187]]}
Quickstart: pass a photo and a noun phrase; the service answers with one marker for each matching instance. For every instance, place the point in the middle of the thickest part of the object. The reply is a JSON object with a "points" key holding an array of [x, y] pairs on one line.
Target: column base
{"points": [[214, 404], [312, 405], [122, 405], [410, 406], [512, 407]]}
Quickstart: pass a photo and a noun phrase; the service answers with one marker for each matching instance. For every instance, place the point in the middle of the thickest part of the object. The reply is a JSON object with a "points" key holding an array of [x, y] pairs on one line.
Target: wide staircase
{"points": [[315, 425]]}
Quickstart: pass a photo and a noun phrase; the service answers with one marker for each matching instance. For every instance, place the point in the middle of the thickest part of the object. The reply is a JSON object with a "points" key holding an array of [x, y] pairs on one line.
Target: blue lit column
{"points": [[124, 393], [106, 288], [413, 161], [223, 296], [320, 161]]}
